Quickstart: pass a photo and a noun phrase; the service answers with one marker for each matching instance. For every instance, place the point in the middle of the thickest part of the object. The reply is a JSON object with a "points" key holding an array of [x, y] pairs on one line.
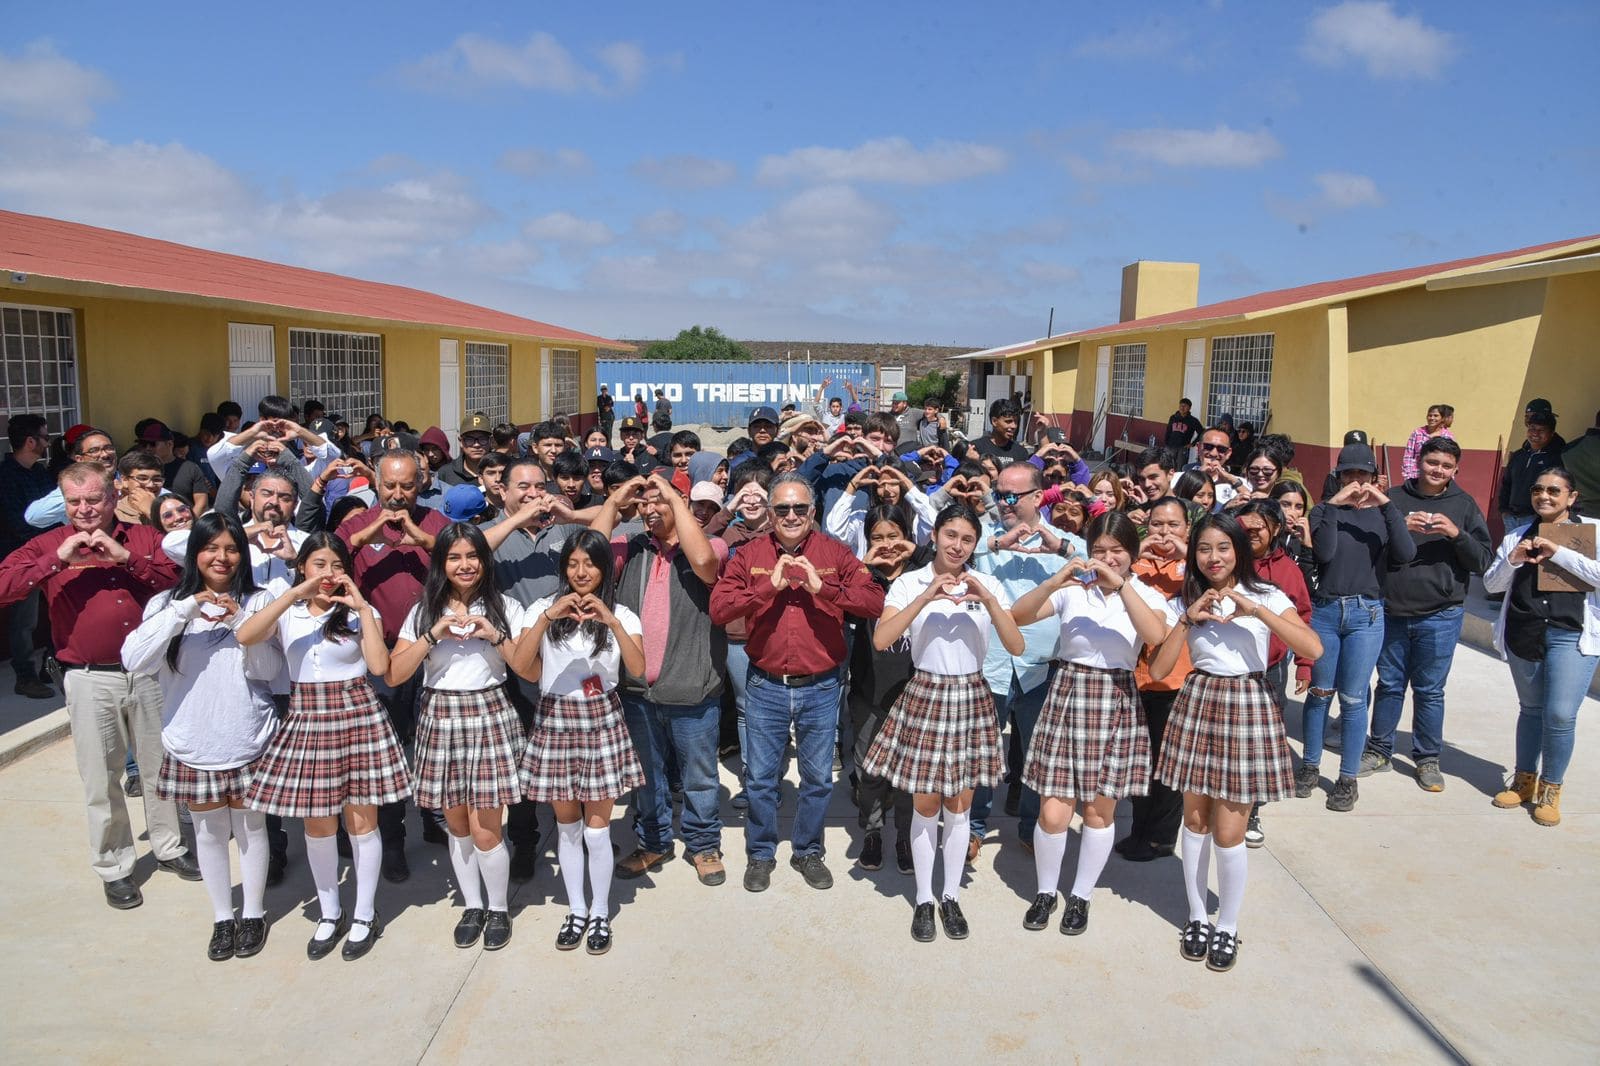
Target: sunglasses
{"points": [[784, 510], [1548, 490], [1214, 447], [1010, 498], [1263, 471]]}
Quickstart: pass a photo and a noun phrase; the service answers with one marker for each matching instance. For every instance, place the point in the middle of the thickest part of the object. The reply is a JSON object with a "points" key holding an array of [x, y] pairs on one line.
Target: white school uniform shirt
{"points": [[947, 637], [1236, 646], [567, 665], [1096, 629], [265, 567], [311, 656], [457, 665]]}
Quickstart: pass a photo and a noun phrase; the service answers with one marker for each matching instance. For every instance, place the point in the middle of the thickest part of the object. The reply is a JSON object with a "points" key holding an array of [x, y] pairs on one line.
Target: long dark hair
{"points": [[206, 529], [336, 623], [1116, 525], [598, 548], [437, 589], [1271, 512], [1195, 584]]}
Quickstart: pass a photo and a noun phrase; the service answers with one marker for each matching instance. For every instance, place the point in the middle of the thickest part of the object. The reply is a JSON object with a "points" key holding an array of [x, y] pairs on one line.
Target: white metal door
{"points": [[1194, 375], [1102, 387], [544, 383], [252, 367], [450, 389], [891, 379], [996, 387]]}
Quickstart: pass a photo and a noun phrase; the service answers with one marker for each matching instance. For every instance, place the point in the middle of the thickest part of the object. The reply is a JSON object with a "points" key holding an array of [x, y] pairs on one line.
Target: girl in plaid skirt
{"points": [[337, 752], [579, 758], [1090, 743], [941, 740], [462, 633], [216, 719], [1225, 747]]}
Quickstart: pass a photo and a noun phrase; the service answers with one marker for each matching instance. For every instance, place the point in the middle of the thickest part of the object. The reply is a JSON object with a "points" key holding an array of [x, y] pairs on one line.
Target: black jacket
{"points": [[1523, 470], [1437, 577]]}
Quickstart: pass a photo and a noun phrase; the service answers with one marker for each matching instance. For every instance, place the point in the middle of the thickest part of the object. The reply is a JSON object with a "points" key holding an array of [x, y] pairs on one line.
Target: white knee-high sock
{"points": [[601, 864], [957, 834], [1196, 865], [494, 866], [1094, 849], [924, 842], [367, 850], [569, 853], [1233, 870], [211, 832], [322, 855], [1048, 851], [464, 861], [250, 830]]}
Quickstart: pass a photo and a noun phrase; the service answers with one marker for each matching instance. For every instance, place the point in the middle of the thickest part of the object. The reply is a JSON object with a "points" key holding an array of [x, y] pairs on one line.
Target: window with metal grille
{"points": [[39, 364], [1241, 379], [1127, 380], [489, 380], [343, 370], [563, 382]]}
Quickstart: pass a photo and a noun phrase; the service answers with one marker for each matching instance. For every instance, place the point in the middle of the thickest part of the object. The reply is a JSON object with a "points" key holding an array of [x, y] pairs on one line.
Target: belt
{"points": [[99, 668], [794, 680]]}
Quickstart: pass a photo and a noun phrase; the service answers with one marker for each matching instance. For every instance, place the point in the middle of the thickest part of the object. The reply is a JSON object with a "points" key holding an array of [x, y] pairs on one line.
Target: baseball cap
{"points": [[72, 435], [600, 455], [323, 427], [155, 431], [1539, 404], [763, 414], [463, 503], [629, 423], [900, 395], [1356, 436], [707, 491], [1356, 457], [476, 424]]}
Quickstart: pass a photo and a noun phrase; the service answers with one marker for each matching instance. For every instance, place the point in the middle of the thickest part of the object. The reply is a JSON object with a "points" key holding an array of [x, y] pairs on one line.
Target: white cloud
{"points": [[40, 85], [540, 162], [1369, 31], [563, 228], [399, 220], [1131, 42], [685, 171], [827, 220], [660, 224], [1342, 191], [890, 160], [1222, 146], [539, 64]]}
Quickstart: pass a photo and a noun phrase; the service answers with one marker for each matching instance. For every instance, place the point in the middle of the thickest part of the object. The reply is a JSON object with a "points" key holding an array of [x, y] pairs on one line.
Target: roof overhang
{"points": [[1549, 268]]}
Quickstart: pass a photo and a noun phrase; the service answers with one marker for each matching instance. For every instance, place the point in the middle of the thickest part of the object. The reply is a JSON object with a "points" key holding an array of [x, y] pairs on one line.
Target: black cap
{"points": [[1356, 436], [1356, 457], [629, 423], [1538, 406], [763, 414], [600, 455]]}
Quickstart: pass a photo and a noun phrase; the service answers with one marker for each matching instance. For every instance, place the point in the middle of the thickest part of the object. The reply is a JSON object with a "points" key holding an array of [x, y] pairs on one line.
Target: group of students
{"points": [[864, 589]]}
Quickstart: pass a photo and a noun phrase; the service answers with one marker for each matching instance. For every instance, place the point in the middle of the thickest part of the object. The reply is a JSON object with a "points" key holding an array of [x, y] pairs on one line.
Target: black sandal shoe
{"points": [[571, 934], [922, 923], [469, 927], [354, 949], [1038, 916], [321, 949], [223, 937], [1195, 941], [251, 937], [1224, 951], [599, 937], [955, 923]]}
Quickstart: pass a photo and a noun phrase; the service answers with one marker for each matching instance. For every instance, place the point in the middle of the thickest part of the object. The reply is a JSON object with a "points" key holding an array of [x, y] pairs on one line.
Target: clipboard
{"points": [[1579, 536]]}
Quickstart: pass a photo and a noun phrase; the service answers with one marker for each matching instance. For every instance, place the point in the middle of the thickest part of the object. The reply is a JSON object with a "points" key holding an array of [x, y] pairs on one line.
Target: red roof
{"points": [[75, 252]]}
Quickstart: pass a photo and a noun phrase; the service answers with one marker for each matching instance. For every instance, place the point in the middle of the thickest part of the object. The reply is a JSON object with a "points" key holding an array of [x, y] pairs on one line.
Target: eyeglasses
{"points": [[1010, 498], [100, 449], [147, 482], [1547, 490], [1263, 471], [784, 510], [1214, 447]]}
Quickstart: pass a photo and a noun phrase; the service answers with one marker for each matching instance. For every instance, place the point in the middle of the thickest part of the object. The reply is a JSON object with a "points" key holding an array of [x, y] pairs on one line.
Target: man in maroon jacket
{"points": [[794, 585], [97, 574]]}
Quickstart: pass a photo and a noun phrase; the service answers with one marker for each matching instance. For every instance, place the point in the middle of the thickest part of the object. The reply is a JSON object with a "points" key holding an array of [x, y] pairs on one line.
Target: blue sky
{"points": [[912, 173]]}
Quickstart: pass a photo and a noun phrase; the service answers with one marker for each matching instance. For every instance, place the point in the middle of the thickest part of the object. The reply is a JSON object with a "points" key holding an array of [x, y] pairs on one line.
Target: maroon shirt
{"points": [[792, 631], [93, 606], [390, 574]]}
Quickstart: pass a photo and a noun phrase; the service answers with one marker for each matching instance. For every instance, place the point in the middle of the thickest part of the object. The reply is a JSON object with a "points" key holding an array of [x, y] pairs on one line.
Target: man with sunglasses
{"points": [[1215, 448], [794, 586], [22, 481]]}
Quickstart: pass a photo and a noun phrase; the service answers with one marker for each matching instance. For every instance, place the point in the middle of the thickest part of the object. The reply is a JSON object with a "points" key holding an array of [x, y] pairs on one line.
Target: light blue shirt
{"points": [[48, 511], [1020, 573]]}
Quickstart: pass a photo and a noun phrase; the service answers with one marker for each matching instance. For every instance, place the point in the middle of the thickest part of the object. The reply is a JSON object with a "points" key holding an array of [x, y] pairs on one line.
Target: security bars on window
{"points": [[343, 370], [1241, 378], [39, 366], [489, 380], [563, 382], [1127, 380]]}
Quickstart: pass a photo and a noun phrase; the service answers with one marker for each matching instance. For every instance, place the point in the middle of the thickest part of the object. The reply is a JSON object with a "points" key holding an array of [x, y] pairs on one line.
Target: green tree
{"points": [[946, 388], [699, 344]]}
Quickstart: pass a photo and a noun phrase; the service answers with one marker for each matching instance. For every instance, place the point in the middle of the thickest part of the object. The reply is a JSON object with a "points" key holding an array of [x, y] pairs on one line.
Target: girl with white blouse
{"points": [[1090, 744], [336, 752], [580, 757], [217, 717], [461, 633], [879, 485], [1225, 747], [940, 740]]}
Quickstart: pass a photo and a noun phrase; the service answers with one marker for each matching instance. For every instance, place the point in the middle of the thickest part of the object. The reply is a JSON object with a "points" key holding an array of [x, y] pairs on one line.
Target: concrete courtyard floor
{"points": [[1419, 928]]}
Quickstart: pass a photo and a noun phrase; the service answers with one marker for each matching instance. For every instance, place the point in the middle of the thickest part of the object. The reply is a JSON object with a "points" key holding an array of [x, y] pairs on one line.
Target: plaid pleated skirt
{"points": [[1225, 739], [335, 748], [1091, 738], [940, 737], [182, 783], [579, 750], [467, 748]]}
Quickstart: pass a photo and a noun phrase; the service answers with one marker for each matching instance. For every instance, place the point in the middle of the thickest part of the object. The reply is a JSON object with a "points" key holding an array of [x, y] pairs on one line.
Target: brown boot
{"points": [[1547, 804], [642, 860], [1520, 790]]}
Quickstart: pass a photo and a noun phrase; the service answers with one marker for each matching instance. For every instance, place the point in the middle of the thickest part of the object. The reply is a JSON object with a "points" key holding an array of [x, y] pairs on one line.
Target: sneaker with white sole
{"points": [[1254, 835]]}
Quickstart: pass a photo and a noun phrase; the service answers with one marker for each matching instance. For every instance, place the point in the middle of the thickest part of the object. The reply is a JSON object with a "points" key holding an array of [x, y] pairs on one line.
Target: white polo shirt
{"points": [[946, 637]]}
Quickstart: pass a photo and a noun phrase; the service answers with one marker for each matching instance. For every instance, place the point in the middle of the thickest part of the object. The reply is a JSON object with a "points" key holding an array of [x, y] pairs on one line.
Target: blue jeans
{"points": [[1351, 628], [1417, 652], [738, 670], [1023, 708], [1550, 693], [769, 709], [24, 620], [690, 733]]}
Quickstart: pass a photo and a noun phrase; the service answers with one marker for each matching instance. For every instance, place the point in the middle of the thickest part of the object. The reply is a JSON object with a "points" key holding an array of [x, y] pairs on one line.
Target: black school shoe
{"points": [[123, 894], [1224, 951], [1075, 919], [922, 923], [599, 941], [469, 927], [496, 930], [354, 949], [250, 937], [222, 945], [321, 949], [1038, 916], [871, 857], [955, 923], [571, 934], [1195, 941], [902, 856]]}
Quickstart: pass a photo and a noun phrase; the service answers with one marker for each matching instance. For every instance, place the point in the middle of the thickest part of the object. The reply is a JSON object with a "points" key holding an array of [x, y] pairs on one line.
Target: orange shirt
{"points": [[1167, 579]]}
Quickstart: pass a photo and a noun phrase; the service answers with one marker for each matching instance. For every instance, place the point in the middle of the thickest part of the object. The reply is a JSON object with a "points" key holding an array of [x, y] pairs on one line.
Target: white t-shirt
{"points": [[313, 657], [458, 665], [947, 637], [565, 666], [1096, 629], [1234, 647]]}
